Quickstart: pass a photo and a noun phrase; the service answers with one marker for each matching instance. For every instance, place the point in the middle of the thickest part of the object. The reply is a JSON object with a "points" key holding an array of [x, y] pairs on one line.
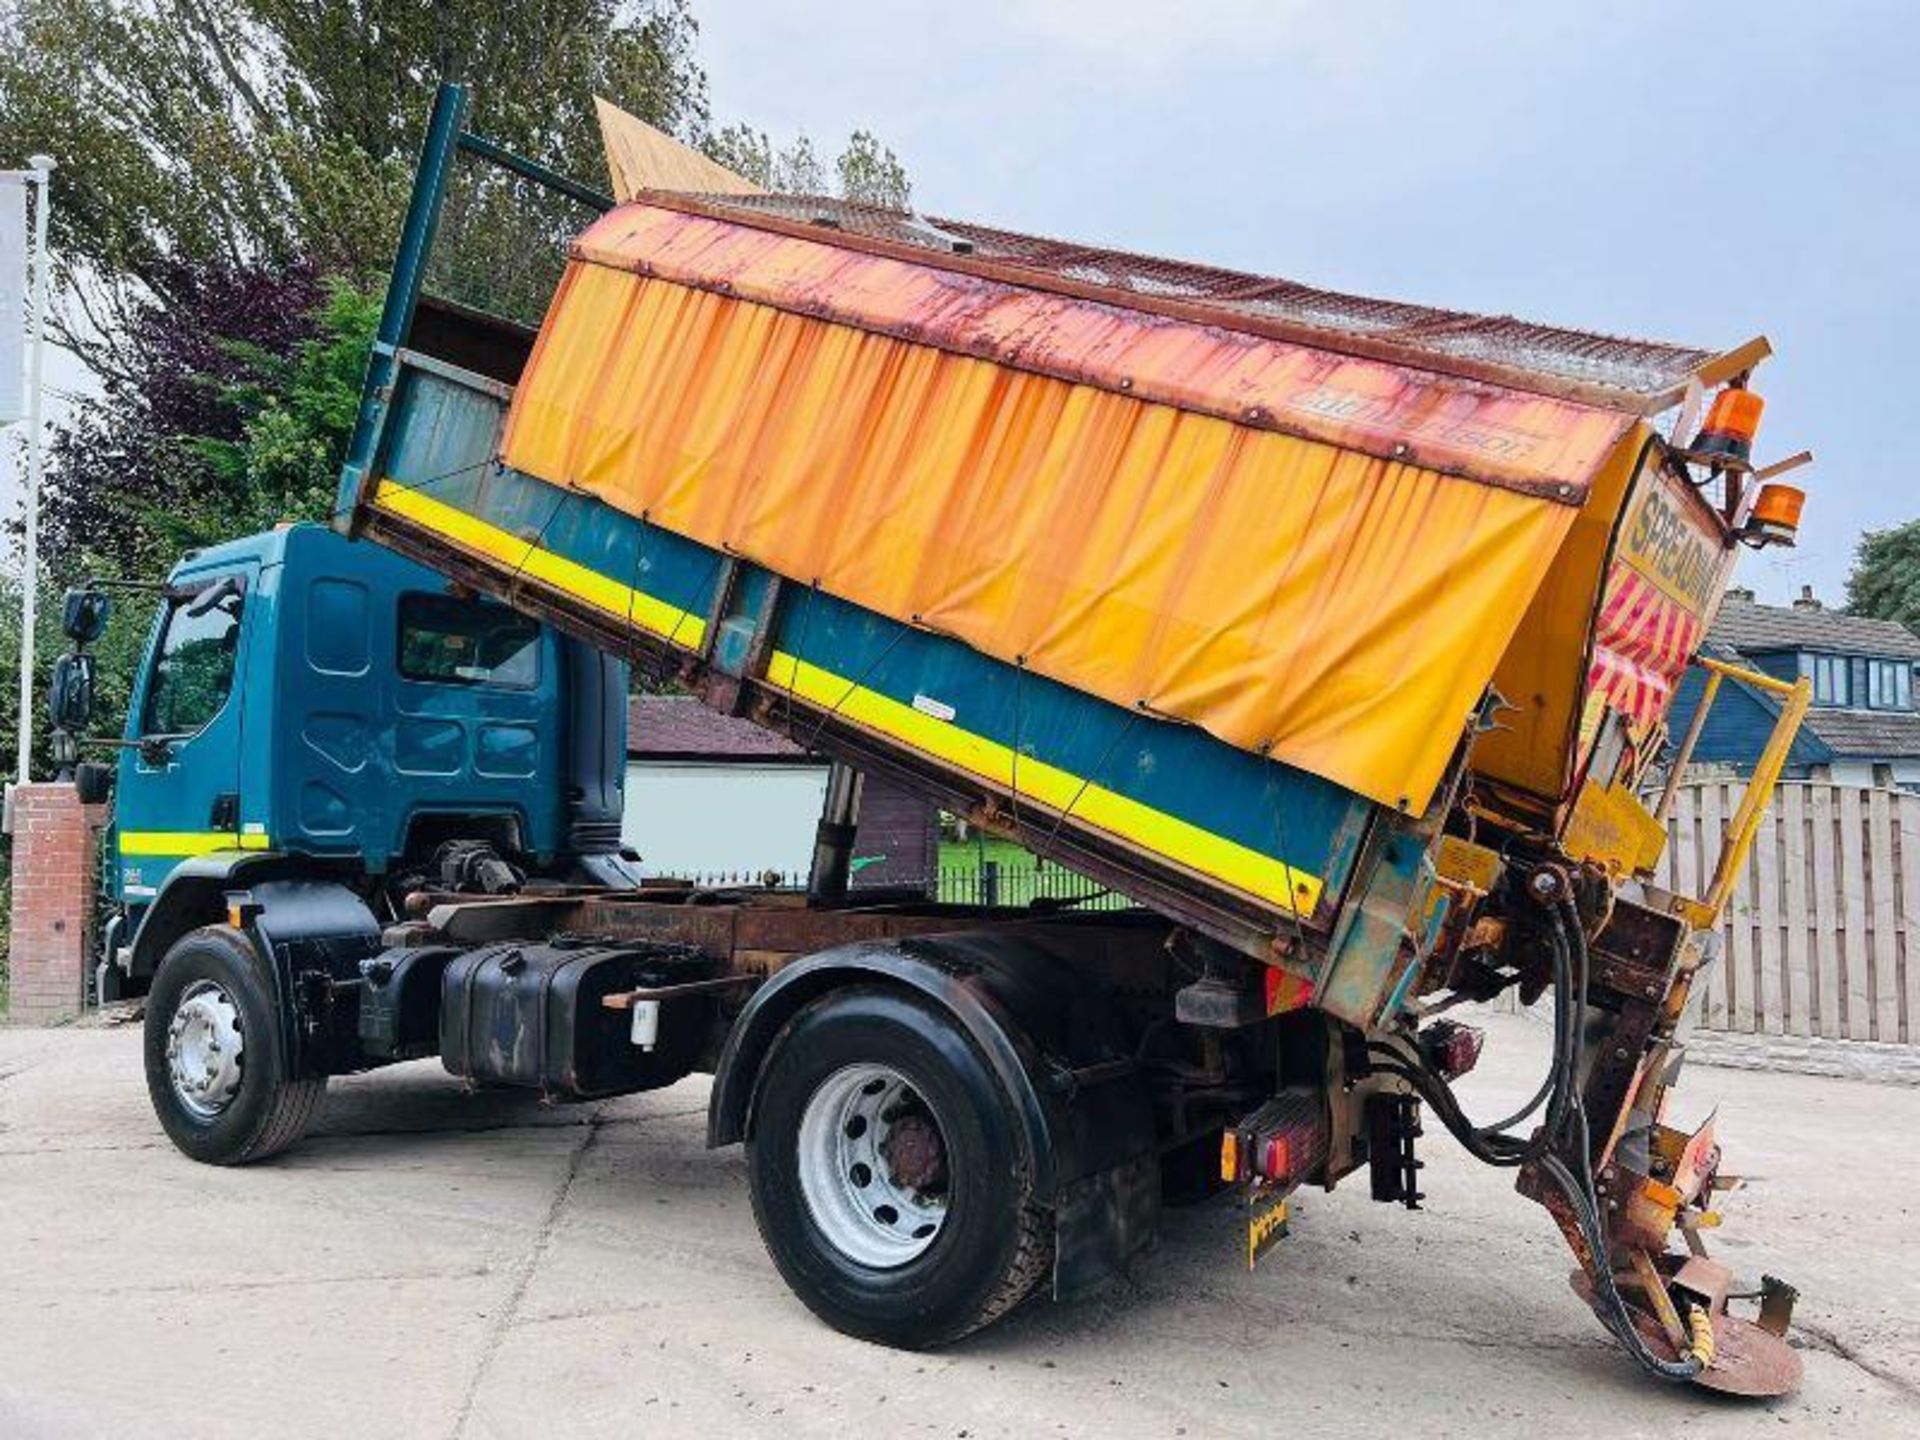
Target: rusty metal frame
{"points": [[1701, 367], [1571, 489]]}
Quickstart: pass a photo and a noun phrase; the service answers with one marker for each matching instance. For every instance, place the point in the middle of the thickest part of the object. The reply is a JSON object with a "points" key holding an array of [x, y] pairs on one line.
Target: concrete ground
{"points": [[442, 1265]]}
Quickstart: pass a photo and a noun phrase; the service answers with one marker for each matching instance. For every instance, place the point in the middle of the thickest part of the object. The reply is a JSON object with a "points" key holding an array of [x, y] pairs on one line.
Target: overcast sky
{"points": [[1694, 171]]}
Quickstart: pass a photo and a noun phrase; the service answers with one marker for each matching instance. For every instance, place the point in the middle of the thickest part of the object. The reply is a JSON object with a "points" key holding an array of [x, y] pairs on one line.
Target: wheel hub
{"points": [[204, 1049], [873, 1166], [916, 1155]]}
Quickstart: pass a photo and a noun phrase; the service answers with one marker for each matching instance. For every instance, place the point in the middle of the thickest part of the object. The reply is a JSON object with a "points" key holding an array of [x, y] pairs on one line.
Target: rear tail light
{"points": [[1282, 1143], [1450, 1048]]}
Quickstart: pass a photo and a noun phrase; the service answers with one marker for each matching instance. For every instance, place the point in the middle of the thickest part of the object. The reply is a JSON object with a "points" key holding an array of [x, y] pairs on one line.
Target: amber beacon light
{"points": [[1727, 437], [1774, 516]]}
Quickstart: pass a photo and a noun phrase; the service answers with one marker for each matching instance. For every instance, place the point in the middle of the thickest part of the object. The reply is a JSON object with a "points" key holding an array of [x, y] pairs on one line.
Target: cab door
{"points": [[179, 784]]}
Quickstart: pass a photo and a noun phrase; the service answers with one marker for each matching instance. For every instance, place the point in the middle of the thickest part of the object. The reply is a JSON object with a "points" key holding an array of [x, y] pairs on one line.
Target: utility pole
{"points": [[40, 175]]}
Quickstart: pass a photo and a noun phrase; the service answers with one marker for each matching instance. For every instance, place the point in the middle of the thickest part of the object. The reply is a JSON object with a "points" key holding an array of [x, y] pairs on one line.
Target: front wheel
{"points": [[888, 1177], [216, 1063]]}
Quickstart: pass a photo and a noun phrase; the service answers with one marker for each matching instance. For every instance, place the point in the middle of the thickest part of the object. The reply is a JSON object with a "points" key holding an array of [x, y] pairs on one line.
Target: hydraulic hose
{"points": [[1614, 1314], [1563, 1128], [1492, 1144]]}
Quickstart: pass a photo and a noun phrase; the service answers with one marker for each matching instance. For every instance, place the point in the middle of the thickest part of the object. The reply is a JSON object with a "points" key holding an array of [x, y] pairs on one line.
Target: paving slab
{"points": [[443, 1264]]}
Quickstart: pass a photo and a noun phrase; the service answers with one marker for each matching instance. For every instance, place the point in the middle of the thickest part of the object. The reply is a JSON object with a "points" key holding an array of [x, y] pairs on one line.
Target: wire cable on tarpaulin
{"points": [[1086, 782], [633, 584], [539, 538], [1285, 855], [409, 486], [799, 649], [1013, 766], [857, 683]]}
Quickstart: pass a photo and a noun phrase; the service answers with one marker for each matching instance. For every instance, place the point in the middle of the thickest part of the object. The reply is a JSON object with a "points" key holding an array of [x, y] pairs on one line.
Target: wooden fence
{"points": [[1822, 938]]}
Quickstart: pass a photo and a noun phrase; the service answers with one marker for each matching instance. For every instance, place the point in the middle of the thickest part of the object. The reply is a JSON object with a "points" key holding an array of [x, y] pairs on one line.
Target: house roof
{"points": [[1845, 733], [1879, 734], [680, 727], [1755, 629]]}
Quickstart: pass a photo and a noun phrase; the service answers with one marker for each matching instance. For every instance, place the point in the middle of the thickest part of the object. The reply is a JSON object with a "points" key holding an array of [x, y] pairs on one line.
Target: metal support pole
{"points": [[42, 174], [1796, 696], [403, 294], [1760, 786], [1684, 755], [831, 870]]}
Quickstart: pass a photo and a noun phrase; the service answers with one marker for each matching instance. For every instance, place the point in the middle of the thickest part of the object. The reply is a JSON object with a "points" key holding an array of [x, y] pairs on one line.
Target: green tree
{"points": [[1885, 582], [867, 170], [282, 131], [871, 173], [272, 132], [296, 414], [229, 411]]}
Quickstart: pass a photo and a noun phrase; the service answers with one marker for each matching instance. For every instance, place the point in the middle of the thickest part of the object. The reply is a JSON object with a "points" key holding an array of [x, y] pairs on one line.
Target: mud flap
{"points": [[1101, 1222]]}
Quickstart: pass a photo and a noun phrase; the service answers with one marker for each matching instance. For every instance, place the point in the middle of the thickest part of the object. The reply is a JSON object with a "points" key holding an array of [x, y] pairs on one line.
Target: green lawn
{"points": [[964, 856]]}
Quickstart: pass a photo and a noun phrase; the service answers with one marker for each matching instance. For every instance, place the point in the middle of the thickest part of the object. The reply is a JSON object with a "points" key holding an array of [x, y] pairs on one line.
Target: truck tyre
{"points": [[216, 1060], [888, 1174]]}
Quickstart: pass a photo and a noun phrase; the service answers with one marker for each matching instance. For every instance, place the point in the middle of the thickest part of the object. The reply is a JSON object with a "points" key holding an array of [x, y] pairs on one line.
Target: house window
{"points": [[1859, 682], [1889, 685], [1831, 680]]}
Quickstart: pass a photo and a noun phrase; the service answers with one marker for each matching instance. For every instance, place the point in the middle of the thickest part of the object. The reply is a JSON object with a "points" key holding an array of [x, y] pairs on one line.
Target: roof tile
{"points": [[1878, 734], [682, 727], [1754, 628]]}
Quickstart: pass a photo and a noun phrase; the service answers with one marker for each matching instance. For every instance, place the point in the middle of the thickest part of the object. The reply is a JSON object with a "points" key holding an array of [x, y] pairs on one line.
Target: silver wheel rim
{"points": [[864, 1142], [204, 1048]]}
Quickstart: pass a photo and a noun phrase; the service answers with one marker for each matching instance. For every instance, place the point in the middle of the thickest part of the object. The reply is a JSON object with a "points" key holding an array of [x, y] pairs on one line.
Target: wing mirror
{"points": [[83, 616], [70, 694], [93, 781]]}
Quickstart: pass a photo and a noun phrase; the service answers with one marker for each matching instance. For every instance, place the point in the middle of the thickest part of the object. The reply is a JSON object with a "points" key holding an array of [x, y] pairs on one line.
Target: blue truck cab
{"points": [[310, 705]]}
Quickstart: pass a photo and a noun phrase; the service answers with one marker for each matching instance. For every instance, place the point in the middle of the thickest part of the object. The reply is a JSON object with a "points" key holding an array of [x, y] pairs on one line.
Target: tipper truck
{"points": [[1337, 635]]}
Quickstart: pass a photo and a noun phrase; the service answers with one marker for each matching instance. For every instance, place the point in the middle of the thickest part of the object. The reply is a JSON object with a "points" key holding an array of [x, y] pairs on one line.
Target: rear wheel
{"points": [[889, 1179], [217, 1068]]}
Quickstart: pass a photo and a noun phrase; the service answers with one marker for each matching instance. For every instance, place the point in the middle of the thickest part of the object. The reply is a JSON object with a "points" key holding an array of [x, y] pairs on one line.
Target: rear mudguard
{"points": [[1055, 1043]]}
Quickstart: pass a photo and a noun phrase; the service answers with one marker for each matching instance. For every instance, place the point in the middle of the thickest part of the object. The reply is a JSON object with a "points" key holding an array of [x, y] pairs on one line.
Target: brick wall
{"points": [[53, 886]]}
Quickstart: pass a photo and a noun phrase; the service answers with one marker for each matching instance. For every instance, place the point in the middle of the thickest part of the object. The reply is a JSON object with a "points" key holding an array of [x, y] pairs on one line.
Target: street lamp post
{"points": [[40, 174]]}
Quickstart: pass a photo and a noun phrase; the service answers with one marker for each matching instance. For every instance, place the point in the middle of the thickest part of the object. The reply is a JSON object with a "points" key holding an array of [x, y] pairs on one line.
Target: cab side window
{"points": [[450, 641], [193, 673]]}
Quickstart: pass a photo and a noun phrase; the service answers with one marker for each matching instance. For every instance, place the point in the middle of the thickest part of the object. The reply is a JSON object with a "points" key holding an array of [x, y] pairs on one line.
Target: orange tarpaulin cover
{"points": [[1292, 594]]}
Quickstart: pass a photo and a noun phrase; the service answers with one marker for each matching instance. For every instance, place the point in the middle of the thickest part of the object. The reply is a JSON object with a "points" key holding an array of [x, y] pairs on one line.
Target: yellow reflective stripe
{"points": [[680, 627], [1166, 835], [187, 842]]}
